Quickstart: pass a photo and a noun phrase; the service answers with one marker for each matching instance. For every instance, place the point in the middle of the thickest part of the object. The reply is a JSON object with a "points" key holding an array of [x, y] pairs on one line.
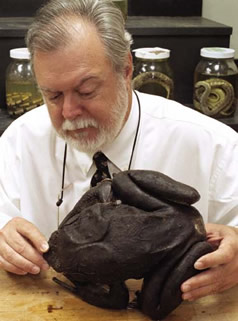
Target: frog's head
{"points": [[52, 256], [68, 245]]}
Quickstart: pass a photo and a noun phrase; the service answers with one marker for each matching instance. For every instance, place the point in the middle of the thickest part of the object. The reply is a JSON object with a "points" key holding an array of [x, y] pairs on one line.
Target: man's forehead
{"points": [[86, 80], [75, 27]]}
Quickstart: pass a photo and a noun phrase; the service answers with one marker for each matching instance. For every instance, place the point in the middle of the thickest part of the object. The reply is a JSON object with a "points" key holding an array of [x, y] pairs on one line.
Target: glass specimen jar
{"points": [[215, 82], [152, 72], [22, 93]]}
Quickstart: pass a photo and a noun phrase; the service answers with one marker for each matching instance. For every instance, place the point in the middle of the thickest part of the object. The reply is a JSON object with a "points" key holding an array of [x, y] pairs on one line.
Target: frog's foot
{"points": [[65, 285], [157, 302], [151, 190], [114, 296]]}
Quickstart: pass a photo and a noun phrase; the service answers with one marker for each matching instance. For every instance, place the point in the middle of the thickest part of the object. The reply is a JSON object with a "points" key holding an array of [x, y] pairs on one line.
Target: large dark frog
{"points": [[138, 225]]}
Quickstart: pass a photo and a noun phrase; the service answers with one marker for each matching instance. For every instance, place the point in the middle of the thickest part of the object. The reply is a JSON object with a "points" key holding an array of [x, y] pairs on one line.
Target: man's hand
{"points": [[21, 247], [222, 264]]}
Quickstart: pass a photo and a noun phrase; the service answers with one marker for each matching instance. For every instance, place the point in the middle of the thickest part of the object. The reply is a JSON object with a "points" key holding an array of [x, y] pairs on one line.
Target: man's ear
{"points": [[129, 67]]}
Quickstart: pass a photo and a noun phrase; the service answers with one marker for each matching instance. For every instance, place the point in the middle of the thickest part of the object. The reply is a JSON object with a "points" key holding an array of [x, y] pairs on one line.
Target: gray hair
{"points": [[50, 28]]}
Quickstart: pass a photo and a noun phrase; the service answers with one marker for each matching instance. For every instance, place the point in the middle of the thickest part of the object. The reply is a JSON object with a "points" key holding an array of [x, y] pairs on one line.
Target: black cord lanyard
{"points": [[60, 199], [137, 131]]}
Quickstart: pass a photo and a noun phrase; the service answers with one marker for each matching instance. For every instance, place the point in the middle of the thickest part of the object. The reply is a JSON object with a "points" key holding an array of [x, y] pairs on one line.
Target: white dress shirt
{"points": [[173, 139]]}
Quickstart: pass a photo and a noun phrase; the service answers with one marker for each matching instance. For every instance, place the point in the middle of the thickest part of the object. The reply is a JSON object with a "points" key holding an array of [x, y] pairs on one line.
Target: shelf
{"points": [[184, 36], [180, 26]]}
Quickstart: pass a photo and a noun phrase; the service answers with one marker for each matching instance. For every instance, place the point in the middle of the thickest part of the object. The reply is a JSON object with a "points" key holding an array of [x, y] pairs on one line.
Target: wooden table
{"points": [[38, 298]]}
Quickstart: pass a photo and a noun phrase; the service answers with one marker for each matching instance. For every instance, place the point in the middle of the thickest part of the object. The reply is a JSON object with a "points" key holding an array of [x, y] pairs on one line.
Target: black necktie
{"points": [[102, 171]]}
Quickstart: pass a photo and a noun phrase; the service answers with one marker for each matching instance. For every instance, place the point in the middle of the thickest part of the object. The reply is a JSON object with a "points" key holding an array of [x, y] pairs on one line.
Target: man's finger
{"points": [[12, 257], [206, 288], [21, 246], [223, 255], [28, 230], [10, 267]]}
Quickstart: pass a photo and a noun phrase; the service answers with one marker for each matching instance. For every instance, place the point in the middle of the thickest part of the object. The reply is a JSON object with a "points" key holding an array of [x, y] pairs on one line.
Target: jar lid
{"points": [[217, 52], [152, 53], [20, 53]]}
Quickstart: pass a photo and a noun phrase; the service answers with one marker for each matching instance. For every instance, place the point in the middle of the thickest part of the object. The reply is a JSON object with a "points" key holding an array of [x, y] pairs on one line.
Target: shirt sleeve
{"points": [[9, 177], [223, 205]]}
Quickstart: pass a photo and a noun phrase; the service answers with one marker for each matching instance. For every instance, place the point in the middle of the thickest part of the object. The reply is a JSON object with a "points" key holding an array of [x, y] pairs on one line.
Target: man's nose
{"points": [[72, 107]]}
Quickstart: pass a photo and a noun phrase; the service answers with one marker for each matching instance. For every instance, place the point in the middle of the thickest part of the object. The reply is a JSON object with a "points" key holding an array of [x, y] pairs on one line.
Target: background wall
{"points": [[223, 11]]}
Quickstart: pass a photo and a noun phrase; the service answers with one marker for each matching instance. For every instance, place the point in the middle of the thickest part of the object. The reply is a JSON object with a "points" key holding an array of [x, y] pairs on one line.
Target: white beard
{"points": [[106, 133]]}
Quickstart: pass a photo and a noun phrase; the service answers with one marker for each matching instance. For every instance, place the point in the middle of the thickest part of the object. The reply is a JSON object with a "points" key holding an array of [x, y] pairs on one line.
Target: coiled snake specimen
{"points": [[214, 96], [155, 77]]}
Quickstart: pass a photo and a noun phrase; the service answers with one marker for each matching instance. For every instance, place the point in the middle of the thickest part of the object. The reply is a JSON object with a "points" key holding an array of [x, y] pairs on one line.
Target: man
{"points": [[81, 58]]}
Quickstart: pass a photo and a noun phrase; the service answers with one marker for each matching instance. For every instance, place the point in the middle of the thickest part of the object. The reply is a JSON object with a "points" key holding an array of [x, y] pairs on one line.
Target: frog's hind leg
{"points": [[158, 303], [114, 296], [182, 272], [151, 190]]}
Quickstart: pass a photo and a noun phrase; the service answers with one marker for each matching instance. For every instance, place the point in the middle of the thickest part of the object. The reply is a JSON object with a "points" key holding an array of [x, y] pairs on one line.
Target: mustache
{"points": [[79, 124]]}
